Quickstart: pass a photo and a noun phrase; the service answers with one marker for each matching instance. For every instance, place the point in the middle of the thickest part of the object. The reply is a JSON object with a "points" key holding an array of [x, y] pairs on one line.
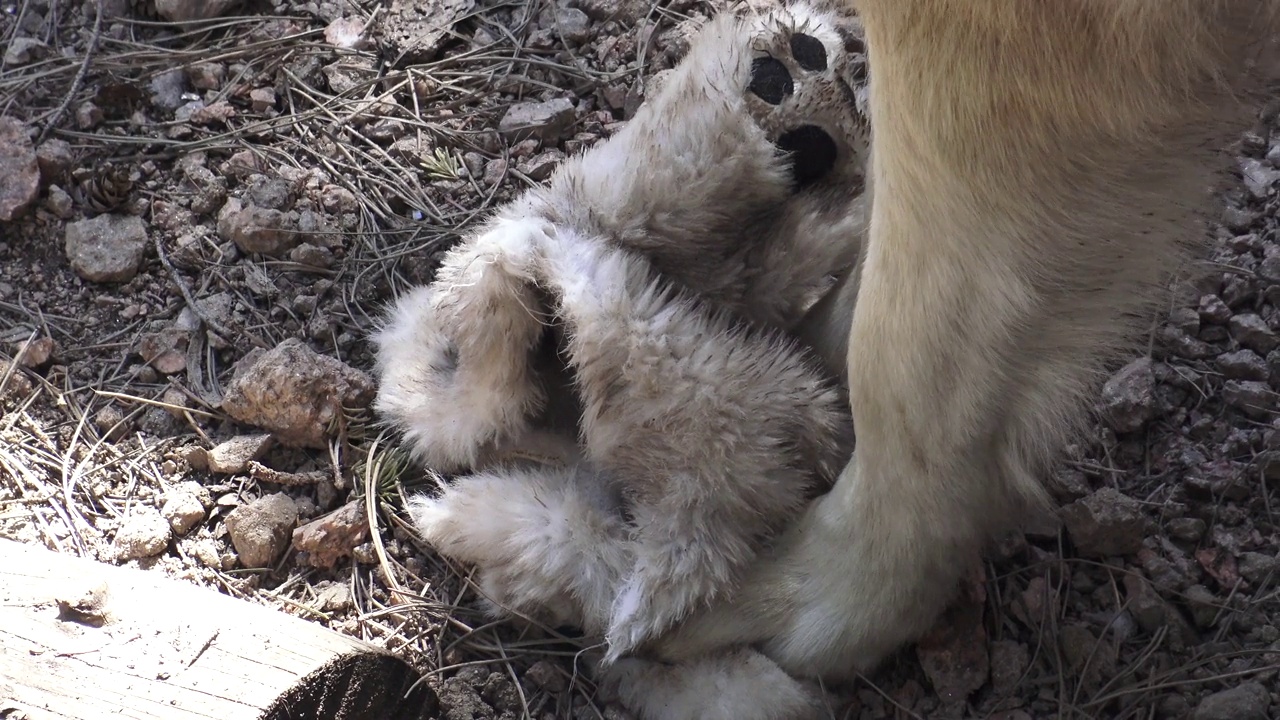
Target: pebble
{"points": [[23, 50], [1243, 365], [328, 539], [189, 10], [260, 530], [337, 199], [1259, 177], [144, 533], [494, 171], [262, 99], [1187, 529], [59, 203], [1246, 701], [54, 159], [295, 393], [106, 248], [88, 115], [18, 167], [1105, 523], [1250, 396], [207, 76], [541, 166], [1128, 398], [234, 455], [184, 506], [546, 121], [256, 229], [1256, 567], [572, 24], [1250, 330]]}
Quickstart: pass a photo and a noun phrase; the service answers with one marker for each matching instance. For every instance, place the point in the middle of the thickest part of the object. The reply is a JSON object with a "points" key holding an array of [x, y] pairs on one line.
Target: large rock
{"points": [[107, 248], [295, 393], [19, 173]]}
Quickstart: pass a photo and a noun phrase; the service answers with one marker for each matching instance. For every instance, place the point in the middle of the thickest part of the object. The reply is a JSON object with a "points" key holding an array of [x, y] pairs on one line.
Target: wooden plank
{"points": [[81, 639]]}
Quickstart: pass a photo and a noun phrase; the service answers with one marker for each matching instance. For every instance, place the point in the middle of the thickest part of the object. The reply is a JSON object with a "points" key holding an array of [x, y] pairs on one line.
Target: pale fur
{"points": [[670, 283], [1038, 170]]}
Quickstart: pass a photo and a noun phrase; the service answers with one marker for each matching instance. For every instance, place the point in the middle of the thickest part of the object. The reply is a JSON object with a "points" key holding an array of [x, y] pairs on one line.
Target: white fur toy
{"points": [[665, 267]]}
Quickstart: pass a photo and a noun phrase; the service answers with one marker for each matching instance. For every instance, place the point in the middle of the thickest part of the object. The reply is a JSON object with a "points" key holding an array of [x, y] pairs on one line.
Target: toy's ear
{"points": [[455, 359]]}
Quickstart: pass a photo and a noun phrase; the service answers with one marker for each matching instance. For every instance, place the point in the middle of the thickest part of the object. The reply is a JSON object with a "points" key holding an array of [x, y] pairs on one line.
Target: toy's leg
{"points": [[716, 434], [455, 358], [549, 543]]}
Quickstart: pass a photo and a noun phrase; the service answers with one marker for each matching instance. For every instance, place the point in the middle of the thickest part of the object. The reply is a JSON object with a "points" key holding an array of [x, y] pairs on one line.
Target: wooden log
{"points": [[82, 640]]}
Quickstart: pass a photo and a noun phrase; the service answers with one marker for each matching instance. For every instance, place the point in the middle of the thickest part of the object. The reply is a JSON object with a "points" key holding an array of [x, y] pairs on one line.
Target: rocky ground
{"points": [[198, 226]]}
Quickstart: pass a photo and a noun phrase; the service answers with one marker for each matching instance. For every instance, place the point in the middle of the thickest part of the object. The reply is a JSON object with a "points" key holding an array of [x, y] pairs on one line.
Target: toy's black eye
{"points": [[809, 52], [770, 80], [813, 153]]}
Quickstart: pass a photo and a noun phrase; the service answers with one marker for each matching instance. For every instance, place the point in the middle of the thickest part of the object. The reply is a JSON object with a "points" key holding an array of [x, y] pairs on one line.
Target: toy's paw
{"points": [[545, 542], [455, 357], [807, 89]]}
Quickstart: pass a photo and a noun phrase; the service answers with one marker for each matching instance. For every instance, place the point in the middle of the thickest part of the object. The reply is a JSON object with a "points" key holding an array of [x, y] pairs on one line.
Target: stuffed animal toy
{"points": [[629, 324]]}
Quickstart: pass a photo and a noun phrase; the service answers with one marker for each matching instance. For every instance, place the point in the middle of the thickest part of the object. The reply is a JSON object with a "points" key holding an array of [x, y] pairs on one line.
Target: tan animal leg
{"points": [[1037, 169]]}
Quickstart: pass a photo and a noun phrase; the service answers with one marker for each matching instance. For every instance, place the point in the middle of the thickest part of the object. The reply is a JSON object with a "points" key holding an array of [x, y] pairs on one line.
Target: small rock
{"points": [[1256, 567], [545, 120], [269, 192], [207, 76], [255, 229], [166, 350], [23, 50], [106, 248], [168, 88], [1146, 606], [346, 33], [494, 171], [144, 533], [315, 256], [546, 676], [1246, 701], [1259, 177], [54, 158], [1187, 529], [18, 167], [500, 693], [1239, 219], [260, 530], [337, 199], [954, 653], [189, 10], [1214, 311], [1084, 652], [1243, 365], [572, 24], [88, 115], [541, 166], [1253, 398], [1251, 331], [182, 508], [110, 422], [625, 12], [234, 455], [1128, 398], [60, 203], [1009, 660], [1105, 523], [1204, 605], [34, 353], [295, 393], [328, 539], [262, 99]]}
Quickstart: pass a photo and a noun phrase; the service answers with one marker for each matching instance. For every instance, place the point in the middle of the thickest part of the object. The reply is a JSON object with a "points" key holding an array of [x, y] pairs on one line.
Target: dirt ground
{"points": [[283, 171]]}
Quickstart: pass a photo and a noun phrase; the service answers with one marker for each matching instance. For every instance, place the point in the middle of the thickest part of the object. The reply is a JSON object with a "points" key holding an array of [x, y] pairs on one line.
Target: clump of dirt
{"points": [[206, 193]]}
